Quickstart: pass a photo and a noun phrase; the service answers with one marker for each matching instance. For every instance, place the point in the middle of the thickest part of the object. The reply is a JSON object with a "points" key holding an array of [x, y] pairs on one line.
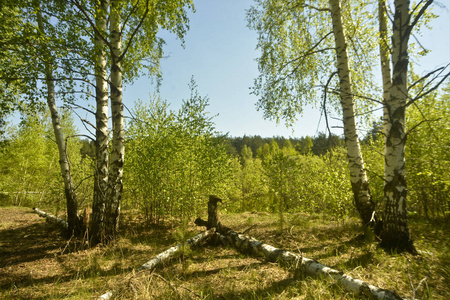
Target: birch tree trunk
{"points": [[75, 224], [385, 64], [395, 234], [101, 134], [358, 176], [118, 140]]}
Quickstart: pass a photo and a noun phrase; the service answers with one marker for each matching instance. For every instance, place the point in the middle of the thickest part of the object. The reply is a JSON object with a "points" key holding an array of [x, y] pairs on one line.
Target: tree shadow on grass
{"points": [[28, 243], [259, 293]]}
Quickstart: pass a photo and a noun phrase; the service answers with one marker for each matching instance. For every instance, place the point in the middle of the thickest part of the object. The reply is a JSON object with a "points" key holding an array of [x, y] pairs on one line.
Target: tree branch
{"points": [[89, 20], [82, 107], [135, 31], [325, 100], [426, 76], [418, 97], [419, 15]]}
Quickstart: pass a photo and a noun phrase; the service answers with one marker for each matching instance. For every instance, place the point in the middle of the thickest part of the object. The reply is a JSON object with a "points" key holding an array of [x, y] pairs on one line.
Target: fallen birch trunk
{"points": [[249, 245], [51, 218], [166, 255], [254, 247], [162, 257]]}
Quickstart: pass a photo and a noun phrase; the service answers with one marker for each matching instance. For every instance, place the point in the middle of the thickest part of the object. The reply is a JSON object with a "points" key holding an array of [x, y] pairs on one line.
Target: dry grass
{"points": [[37, 263]]}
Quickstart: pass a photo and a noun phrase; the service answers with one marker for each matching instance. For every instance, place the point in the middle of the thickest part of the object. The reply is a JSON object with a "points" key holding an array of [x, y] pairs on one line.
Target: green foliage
{"points": [[30, 173], [282, 179], [176, 159], [297, 49], [428, 154], [319, 144], [372, 150]]}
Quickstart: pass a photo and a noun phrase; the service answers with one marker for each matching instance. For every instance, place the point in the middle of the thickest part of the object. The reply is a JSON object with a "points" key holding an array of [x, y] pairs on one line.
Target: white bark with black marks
{"points": [[358, 176], [395, 233], [249, 245], [51, 218], [73, 220], [102, 133], [118, 139]]}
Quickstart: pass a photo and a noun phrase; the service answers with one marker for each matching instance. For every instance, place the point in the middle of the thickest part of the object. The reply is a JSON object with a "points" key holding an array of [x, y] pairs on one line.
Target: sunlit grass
{"points": [[73, 271]]}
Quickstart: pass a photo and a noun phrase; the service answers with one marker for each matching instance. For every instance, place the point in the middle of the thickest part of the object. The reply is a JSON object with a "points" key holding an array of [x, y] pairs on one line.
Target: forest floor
{"points": [[36, 262]]}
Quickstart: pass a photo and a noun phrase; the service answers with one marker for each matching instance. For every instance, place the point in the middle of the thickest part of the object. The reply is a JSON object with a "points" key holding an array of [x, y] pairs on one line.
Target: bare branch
{"points": [[420, 123], [426, 76], [337, 92], [84, 122], [86, 178], [418, 97], [325, 100], [428, 121], [82, 107]]}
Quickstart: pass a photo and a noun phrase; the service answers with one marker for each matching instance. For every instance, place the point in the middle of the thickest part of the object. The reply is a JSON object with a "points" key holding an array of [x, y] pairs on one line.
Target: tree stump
{"points": [[213, 219]]}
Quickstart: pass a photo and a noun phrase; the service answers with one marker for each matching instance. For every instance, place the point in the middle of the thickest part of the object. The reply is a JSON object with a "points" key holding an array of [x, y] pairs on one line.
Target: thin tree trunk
{"points": [[385, 75], [75, 225], [118, 140], [385, 64], [101, 135], [395, 234], [358, 176]]}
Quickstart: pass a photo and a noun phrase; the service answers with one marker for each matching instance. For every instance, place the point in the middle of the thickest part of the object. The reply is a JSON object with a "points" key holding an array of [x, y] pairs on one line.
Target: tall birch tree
{"points": [[101, 122], [126, 45], [395, 234], [37, 52], [358, 176], [298, 42], [75, 224], [397, 97]]}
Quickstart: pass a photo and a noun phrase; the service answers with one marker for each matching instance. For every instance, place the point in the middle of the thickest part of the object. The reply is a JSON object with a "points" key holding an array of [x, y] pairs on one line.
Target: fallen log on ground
{"points": [[162, 257], [249, 245], [166, 255], [51, 218]]}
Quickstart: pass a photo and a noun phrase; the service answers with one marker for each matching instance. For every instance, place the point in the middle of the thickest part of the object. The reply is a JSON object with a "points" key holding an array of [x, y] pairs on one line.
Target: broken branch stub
{"points": [[213, 219]]}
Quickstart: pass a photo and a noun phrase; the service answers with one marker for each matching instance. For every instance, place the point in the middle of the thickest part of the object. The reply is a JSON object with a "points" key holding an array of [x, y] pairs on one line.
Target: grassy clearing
{"points": [[37, 263]]}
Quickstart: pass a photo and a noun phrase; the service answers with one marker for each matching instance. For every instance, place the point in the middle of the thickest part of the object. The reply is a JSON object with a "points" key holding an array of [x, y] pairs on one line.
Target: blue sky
{"points": [[220, 53]]}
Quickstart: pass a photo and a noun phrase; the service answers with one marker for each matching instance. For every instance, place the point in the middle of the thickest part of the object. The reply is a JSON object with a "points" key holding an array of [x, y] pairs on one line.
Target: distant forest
{"points": [[317, 145]]}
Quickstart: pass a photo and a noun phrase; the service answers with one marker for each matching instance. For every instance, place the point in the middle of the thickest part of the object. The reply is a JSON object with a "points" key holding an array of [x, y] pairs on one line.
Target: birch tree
{"points": [[395, 234], [35, 52], [296, 41], [396, 98], [129, 41], [73, 220], [101, 122], [358, 176]]}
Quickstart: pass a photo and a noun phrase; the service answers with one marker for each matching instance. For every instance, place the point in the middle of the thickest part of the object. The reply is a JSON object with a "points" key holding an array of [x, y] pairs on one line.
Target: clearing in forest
{"points": [[36, 262]]}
